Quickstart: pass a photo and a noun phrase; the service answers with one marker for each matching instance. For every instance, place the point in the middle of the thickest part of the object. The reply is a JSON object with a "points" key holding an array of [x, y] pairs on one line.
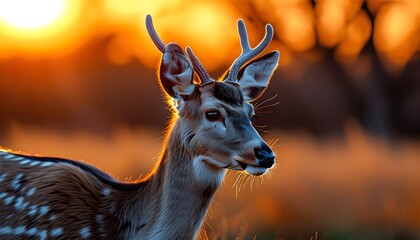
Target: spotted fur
{"points": [[52, 198]]}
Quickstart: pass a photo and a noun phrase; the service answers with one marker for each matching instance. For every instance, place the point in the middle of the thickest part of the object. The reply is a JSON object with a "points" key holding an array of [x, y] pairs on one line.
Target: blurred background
{"points": [[78, 80]]}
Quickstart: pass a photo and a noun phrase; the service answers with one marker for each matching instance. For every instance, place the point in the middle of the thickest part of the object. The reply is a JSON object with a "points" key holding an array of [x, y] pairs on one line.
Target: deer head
{"points": [[214, 116]]}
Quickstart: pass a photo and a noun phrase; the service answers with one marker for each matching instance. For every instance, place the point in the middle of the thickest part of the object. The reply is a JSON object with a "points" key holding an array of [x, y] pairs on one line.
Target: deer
{"points": [[210, 132]]}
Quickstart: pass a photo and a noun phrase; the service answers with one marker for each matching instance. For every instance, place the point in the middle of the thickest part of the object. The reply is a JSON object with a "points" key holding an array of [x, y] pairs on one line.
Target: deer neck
{"points": [[177, 199]]}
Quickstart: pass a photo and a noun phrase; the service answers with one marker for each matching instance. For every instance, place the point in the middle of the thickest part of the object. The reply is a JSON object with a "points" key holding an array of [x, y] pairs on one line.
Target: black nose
{"points": [[264, 156]]}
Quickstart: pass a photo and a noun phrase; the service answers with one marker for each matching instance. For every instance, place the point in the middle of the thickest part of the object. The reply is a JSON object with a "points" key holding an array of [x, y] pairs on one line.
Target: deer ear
{"points": [[176, 72], [255, 76]]}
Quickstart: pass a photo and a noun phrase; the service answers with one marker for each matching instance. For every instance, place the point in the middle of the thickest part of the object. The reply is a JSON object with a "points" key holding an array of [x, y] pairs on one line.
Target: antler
{"points": [[153, 35], [248, 53], [198, 67]]}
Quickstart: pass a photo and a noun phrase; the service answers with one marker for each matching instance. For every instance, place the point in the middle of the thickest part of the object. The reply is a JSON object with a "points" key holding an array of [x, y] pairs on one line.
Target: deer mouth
{"points": [[243, 165], [252, 169], [237, 164]]}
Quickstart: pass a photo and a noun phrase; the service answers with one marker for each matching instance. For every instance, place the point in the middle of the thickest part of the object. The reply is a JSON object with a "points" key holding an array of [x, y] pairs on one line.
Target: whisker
{"points": [[273, 144], [246, 181], [252, 183], [265, 101], [203, 234], [262, 130], [236, 179], [262, 179], [237, 182], [260, 126], [241, 182], [273, 141], [267, 106]]}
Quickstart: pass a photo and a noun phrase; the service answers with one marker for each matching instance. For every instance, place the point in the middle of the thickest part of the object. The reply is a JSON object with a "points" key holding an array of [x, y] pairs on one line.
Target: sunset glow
{"points": [[209, 28], [42, 28], [396, 34], [31, 14], [48, 28]]}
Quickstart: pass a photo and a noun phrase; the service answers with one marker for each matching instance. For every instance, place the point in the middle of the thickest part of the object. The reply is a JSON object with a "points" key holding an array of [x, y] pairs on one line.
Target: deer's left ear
{"points": [[255, 76], [176, 72]]}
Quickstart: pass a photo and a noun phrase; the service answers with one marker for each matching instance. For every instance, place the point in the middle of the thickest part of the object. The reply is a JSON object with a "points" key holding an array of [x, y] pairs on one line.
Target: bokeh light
{"points": [[396, 35], [31, 14], [42, 28], [294, 25], [330, 22], [46, 28], [356, 35], [212, 33]]}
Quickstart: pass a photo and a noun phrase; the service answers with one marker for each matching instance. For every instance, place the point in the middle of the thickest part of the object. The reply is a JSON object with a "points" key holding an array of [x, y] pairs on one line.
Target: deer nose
{"points": [[264, 156]]}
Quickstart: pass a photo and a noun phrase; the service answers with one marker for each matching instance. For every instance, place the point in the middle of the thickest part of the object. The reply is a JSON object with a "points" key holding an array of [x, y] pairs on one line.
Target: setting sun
{"points": [[47, 28], [29, 13]]}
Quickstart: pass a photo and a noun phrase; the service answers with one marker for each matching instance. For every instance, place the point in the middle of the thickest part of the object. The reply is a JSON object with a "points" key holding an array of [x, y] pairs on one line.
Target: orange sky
{"points": [[52, 28]]}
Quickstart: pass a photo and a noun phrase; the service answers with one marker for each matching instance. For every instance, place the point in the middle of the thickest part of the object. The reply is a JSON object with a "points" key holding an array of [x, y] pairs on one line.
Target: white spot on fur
{"points": [[31, 192], [34, 163], [42, 234], [32, 231], [9, 200], [56, 232], [43, 210], [106, 192], [5, 230], [32, 210], [20, 230], [20, 204], [2, 195], [16, 181], [25, 162], [46, 164], [3, 176], [85, 232], [52, 218]]}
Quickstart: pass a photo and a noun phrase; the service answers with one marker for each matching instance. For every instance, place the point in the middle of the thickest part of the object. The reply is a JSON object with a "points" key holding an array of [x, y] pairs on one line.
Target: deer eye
{"points": [[213, 115]]}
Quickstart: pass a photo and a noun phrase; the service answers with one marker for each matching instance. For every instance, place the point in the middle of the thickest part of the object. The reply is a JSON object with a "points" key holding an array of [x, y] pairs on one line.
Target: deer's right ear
{"points": [[256, 75], [176, 72]]}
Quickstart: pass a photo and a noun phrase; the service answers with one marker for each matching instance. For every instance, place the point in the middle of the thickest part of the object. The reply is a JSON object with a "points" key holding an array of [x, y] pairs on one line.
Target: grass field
{"points": [[356, 187]]}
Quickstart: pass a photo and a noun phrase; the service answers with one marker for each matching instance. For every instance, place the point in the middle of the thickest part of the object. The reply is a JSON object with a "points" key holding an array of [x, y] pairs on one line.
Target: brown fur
{"points": [[229, 93]]}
